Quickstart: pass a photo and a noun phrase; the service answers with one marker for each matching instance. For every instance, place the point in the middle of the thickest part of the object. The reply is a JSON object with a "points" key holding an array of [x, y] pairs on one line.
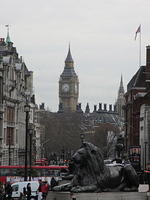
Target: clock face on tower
{"points": [[65, 87]]}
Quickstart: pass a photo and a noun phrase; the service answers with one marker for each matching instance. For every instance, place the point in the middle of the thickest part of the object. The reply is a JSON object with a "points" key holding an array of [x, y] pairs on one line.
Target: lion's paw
{"points": [[76, 189]]}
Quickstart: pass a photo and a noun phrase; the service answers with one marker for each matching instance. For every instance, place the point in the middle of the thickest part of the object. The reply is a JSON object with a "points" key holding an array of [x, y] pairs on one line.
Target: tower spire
{"points": [[69, 56], [8, 37], [120, 101], [121, 88]]}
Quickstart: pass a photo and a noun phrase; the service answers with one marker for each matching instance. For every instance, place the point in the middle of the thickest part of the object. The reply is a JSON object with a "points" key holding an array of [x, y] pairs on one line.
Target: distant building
{"points": [[63, 129], [105, 115], [68, 86], [40, 131]]}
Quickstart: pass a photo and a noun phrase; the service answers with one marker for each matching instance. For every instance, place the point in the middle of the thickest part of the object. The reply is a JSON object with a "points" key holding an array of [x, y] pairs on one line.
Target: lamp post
{"points": [[82, 137], [31, 128], [145, 164], [9, 148], [26, 110]]}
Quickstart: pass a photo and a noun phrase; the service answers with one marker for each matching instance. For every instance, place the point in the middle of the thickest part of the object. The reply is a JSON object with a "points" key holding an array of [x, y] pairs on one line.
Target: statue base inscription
{"points": [[99, 196]]}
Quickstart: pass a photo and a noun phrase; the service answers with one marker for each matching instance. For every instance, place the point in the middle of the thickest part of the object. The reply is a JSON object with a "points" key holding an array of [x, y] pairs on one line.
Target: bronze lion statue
{"points": [[90, 174]]}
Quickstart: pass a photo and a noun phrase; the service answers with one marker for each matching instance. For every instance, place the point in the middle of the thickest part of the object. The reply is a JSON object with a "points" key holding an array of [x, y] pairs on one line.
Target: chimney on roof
{"points": [[79, 108], [95, 108], [110, 108], [87, 109], [42, 106], [105, 107], [100, 107], [115, 108]]}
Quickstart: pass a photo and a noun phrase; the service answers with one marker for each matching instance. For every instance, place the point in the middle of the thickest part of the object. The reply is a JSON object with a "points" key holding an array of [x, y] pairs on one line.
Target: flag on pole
{"points": [[138, 31]]}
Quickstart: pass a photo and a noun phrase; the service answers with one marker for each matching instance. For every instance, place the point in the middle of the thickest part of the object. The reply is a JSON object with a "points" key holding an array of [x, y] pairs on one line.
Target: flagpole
{"points": [[140, 48]]}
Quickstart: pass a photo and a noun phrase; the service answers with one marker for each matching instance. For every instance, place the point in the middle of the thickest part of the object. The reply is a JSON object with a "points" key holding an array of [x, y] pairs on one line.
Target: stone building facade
{"points": [[137, 103], [16, 90]]}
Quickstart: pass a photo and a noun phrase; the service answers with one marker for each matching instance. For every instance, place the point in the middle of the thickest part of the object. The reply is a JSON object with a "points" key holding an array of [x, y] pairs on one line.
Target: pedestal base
{"points": [[99, 196]]}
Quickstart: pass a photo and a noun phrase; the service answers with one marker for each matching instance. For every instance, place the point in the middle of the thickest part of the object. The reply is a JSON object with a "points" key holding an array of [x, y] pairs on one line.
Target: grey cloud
{"points": [[101, 33]]}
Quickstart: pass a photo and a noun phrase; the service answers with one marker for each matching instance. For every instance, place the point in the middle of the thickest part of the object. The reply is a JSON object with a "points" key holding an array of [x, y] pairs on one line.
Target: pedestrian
{"points": [[1, 188], [8, 190], [28, 191], [40, 189], [24, 193], [45, 189], [53, 182], [148, 178]]}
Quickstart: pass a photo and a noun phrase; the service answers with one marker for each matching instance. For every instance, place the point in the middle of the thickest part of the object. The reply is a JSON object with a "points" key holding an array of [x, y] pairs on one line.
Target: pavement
{"points": [[142, 188]]}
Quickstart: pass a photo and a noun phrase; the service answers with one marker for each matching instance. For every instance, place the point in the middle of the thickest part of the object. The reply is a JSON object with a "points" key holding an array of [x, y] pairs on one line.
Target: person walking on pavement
{"points": [[2, 191], [40, 190], [53, 183], [28, 191], [45, 189], [148, 178], [8, 191]]}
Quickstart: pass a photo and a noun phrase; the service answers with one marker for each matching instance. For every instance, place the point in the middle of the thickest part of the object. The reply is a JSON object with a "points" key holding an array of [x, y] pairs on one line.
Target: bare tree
{"points": [[62, 130]]}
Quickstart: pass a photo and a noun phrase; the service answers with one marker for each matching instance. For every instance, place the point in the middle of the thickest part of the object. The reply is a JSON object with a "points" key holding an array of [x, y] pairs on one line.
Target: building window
{"points": [[16, 136], [5, 114], [5, 131], [141, 118], [10, 114], [10, 136]]}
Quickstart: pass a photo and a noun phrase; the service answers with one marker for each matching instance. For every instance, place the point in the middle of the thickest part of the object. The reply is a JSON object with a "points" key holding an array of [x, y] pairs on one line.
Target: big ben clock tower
{"points": [[68, 86]]}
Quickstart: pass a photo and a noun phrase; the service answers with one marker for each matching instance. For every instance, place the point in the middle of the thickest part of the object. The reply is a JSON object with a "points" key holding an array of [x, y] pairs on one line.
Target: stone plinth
{"points": [[99, 196]]}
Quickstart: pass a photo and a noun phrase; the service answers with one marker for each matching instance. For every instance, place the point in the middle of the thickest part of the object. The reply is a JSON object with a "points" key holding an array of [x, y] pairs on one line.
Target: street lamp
{"points": [[26, 110], [145, 164], [82, 137], [30, 128]]}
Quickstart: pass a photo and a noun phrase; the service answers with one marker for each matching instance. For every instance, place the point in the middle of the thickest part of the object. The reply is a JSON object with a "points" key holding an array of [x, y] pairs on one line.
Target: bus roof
{"points": [[34, 167]]}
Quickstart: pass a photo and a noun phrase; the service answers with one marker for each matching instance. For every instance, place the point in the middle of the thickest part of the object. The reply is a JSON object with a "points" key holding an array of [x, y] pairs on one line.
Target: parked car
{"points": [[18, 189]]}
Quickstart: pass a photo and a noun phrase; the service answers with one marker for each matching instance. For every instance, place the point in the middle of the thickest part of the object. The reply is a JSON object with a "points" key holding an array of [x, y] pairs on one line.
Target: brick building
{"points": [[136, 96]]}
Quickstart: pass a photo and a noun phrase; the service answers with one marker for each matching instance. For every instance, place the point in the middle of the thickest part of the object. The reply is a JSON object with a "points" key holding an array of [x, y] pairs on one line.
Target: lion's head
{"points": [[88, 162]]}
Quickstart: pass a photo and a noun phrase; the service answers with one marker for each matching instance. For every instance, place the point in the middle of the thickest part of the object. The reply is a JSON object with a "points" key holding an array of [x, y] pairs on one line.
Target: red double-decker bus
{"points": [[42, 162], [16, 173]]}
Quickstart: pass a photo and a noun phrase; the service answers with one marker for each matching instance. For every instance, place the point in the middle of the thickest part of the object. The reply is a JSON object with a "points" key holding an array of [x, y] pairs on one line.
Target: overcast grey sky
{"points": [[101, 33]]}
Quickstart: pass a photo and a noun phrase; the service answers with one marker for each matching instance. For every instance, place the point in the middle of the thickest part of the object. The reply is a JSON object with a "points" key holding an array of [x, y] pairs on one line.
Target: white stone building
{"points": [[16, 90]]}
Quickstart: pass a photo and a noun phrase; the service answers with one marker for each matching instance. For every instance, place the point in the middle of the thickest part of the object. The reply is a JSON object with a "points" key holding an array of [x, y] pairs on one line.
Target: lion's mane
{"points": [[93, 165]]}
